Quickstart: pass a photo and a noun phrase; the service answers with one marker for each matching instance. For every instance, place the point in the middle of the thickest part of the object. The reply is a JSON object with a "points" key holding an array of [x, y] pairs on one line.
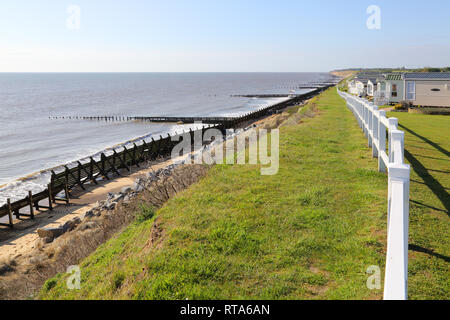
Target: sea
{"points": [[32, 141]]}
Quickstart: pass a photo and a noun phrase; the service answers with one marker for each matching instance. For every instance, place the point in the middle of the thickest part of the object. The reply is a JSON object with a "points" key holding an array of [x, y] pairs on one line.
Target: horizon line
{"points": [[86, 72]]}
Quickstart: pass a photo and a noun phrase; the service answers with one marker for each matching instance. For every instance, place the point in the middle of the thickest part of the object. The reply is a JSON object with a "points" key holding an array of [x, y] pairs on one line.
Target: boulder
{"points": [[37, 259], [119, 197], [47, 240], [137, 187], [110, 205], [89, 214], [88, 225], [76, 220], [50, 232], [99, 204], [71, 224], [43, 241], [5, 268], [126, 190]]}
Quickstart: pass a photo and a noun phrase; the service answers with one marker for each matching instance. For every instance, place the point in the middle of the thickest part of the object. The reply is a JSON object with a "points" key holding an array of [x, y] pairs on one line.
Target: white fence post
{"points": [[375, 126], [366, 119], [397, 146], [396, 278], [370, 122], [361, 116], [381, 141], [393, 124]]}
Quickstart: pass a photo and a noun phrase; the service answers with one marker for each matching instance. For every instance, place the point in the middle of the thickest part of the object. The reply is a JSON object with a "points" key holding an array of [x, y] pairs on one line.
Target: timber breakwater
{"points": [[106, 166]]}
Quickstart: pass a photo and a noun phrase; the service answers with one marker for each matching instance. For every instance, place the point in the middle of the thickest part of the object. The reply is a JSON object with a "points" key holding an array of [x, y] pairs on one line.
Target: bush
{"points": [[145, 213], [50, 284], [117, 280], [400, 107]]}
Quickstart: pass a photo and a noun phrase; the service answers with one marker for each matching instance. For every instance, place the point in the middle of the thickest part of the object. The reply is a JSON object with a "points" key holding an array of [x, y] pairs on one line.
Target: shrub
{"points": [[117, 280], [145, 213], [50, 284], [399, 107]]}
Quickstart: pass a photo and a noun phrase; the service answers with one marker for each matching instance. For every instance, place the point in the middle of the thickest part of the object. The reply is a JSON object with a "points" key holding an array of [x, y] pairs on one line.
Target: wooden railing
{"points": [[374, 124], [91, 172]]}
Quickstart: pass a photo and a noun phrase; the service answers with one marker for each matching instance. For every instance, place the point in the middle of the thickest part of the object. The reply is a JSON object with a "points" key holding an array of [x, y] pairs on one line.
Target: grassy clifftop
{"points": [[309, 232]]}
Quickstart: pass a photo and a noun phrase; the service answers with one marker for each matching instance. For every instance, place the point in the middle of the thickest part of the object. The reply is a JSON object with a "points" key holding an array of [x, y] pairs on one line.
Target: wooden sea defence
{"points": [[93, 171], [228, 122], [108, 166], [375, 124], [184, 120]]}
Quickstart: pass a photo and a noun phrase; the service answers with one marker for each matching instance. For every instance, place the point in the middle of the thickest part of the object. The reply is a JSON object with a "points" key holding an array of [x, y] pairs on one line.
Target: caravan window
{"points": [[410, 90], [394, 90]]}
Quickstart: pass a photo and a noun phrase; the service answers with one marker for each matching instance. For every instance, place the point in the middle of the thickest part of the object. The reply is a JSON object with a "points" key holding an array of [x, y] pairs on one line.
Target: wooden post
{"points": [[30, 198], [66, 190], [10, 213], [91, 170], [50, 196], [125, 158], [144, 152], [134, 155], [102, 162], [152, 149], [114, 162], [66, 173]]}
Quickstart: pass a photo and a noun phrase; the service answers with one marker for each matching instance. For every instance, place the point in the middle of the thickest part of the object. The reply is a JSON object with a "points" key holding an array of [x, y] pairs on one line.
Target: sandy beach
{"points": [[23, 238]]}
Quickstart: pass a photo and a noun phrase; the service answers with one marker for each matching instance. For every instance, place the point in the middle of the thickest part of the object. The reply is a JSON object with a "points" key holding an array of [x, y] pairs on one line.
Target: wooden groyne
{"points": [[111, 165], [229, 122], [267, 96], [184, 120]]}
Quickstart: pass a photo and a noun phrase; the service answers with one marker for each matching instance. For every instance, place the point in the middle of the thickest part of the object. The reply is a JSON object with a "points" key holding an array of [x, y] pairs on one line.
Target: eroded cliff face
{"points": [[23, 277]]}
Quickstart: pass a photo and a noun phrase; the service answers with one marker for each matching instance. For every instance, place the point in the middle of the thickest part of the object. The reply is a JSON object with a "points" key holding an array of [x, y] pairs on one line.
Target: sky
{"points": [[221, 35]]}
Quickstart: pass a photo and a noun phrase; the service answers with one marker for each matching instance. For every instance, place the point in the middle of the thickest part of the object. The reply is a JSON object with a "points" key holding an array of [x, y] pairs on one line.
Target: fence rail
{"points": [[375, 124]]}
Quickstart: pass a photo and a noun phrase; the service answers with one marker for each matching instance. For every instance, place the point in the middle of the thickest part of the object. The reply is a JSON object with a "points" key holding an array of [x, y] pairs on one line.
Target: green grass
{"points": [[427, 145], [309, 232]]}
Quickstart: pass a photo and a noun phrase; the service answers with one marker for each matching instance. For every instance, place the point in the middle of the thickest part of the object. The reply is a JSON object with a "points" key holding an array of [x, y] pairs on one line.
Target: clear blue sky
{"points": [[225, 35]]}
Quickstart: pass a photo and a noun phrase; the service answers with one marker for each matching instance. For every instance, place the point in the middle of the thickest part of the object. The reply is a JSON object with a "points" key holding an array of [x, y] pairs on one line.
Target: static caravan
{"points": [[427, 89], [395, 87], [356, 87], [363, 84], [371, 87], [390, 89]]}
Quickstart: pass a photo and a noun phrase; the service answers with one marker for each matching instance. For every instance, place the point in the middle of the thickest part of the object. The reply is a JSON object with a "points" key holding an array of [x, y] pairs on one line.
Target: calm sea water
{"points": [[31, 142]]}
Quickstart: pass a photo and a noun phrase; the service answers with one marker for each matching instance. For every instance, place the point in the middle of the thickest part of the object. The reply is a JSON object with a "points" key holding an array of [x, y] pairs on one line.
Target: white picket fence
{"points": [[374, 124]]}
